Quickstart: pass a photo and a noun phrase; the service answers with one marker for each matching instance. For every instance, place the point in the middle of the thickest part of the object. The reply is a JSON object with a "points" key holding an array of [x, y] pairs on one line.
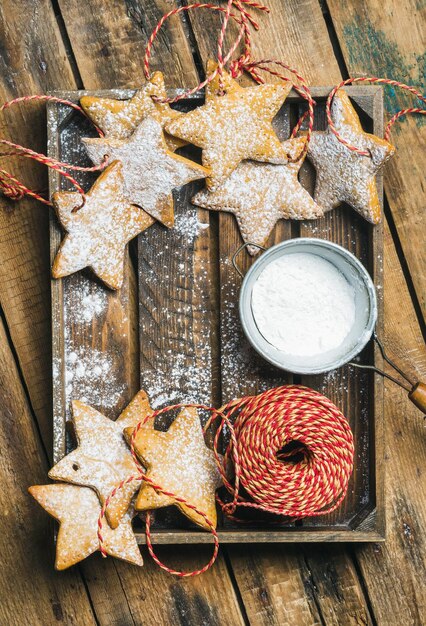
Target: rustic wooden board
{"points": [[297, 33], [180, 351], [392, 45]]}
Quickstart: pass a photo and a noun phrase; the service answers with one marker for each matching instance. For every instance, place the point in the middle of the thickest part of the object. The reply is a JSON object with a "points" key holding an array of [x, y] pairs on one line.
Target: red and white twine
{"points": [[14, 189], [273, 478], [374, 81]]}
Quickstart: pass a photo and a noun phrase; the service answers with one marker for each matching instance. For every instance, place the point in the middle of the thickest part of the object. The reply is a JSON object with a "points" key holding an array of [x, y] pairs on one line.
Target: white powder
{"points": [[303, 305]]}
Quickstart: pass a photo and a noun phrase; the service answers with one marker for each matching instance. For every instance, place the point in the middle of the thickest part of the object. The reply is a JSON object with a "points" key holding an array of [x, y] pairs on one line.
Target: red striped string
{"points": [[13, 188], [241, 19], [243, 63], [142, 477], [259, 427], [373, 80]]}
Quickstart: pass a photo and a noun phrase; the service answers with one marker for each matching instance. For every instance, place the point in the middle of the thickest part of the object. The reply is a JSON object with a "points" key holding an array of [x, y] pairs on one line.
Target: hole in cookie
{"points": [[75, 467], [293, 452]]}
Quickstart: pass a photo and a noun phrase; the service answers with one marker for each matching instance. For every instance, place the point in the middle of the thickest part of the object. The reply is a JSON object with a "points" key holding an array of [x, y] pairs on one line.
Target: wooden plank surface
{"points": [[390, 44], [392, 576], [295, 26], [29, 587], [120, 64], [34, 60], [394, 572]]}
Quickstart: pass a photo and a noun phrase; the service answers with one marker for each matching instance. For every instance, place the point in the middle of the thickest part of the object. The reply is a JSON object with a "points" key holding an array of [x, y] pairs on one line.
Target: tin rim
{"points": [[262, 261]]}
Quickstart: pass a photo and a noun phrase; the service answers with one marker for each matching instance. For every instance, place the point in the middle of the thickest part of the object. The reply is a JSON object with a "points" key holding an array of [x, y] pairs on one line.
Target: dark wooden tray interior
{"points": [[174, 327]]}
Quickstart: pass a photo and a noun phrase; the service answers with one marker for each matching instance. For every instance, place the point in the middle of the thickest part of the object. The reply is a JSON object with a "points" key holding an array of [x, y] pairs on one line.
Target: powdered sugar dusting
{"points": [[188, 226], [77, 509], [88, 377], [243, 372], [150, 172], [234, 127], [92, 304], [303, 305], [259, 194], [344, 175]]}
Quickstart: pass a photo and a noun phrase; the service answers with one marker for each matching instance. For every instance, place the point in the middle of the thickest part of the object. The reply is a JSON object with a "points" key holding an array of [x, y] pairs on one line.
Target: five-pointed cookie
{"points": [[120, 118], [259, 194], [180, 463], [150, 170], [233, 127], [344, 175], [77, 510], [102, 459], [97, 233]]}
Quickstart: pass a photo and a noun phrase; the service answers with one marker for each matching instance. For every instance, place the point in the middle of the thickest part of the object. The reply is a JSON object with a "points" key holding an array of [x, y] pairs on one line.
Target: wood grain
{"points": [[30, 588], [125, 69], [394, 571], [324, 588], [290, 33], [33, 60], [390, 43]]}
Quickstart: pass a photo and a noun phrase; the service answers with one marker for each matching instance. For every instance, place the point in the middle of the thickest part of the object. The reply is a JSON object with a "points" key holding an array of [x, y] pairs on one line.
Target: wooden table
{"points": [[71, 45]]}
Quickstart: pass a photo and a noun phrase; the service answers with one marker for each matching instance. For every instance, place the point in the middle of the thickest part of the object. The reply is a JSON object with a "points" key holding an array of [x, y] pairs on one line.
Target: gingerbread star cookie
{"points": [[344, 175], [97, 233], [259, 194], [120, 118], [233, 127], [102, 459], [150, 170], [180, 463], [77, 510]]}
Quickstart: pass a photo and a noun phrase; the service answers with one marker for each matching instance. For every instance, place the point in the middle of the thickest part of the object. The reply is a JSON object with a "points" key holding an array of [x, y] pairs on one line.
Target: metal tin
{"points": [[365, 306]]}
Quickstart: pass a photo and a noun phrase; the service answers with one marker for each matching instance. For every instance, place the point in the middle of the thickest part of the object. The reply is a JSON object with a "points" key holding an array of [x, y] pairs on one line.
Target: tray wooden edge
{"points": [[377, 531]]}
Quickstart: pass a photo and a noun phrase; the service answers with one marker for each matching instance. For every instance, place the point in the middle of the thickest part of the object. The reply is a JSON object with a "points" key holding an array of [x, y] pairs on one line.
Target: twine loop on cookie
{"points": [[140, 475], [290, 453], [375, 81], [244, 63]]}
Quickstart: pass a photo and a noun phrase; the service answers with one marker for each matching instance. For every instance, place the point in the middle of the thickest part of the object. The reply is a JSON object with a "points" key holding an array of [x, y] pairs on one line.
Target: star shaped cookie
{"points": [[150, 170], [344, 175], [102, 459], [179, 462], [77, 510], [98, 232], [259, 194], [120, 118], [233, 127]]}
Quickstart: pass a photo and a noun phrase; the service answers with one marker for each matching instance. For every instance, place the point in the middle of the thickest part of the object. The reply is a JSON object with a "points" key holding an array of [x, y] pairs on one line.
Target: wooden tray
{"points": [[173, 329]]}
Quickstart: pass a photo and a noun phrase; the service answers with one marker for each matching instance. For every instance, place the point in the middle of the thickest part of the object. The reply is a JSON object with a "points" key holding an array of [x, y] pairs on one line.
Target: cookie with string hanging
{"points": [[151, 171], [234, 126], [342, 175], [120, 118], [260, 194], [102, 459], [77, 510], [98, 231], [179, 462]]}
